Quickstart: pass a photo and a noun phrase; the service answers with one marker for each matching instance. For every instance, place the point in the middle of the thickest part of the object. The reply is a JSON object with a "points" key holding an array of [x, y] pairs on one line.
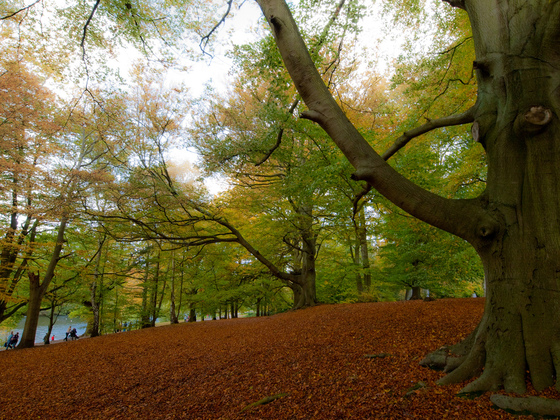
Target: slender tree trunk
{"points": [[145, 314], [97, 278], [364, 251], [53, 316], [172, 314], [355, 252], [38, 289], [154, 292]]}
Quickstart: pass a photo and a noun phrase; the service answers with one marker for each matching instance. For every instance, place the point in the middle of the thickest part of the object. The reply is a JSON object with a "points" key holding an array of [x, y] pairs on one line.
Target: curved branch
{"points": [[206, 38], [271, 151], [464, 218], [458, 119], [240, 239]]}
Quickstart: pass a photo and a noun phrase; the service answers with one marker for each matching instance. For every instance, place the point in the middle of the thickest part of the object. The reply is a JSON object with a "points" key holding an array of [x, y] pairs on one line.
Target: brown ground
{"points": [[314, 361]]}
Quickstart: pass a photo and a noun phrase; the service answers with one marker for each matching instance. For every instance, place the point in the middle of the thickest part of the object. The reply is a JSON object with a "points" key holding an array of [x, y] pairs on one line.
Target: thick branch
{"points": [[275, 271], [314, 49], [464, 218], [456, 3]]}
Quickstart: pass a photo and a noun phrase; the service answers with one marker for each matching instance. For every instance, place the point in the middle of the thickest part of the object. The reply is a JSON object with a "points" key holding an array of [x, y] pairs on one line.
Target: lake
{"points": [[59, 329]]}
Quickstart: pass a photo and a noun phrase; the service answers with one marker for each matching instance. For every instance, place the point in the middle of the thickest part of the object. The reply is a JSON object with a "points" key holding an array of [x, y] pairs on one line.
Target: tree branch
{"points": [[83, 41], [456, 3], [205, 39], [458, 119], [19, 11], [314, 48], [465, 218]]}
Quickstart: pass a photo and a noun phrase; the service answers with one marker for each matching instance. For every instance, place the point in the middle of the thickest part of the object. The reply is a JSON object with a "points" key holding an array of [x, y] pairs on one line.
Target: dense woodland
{"points": [[102, 220]]}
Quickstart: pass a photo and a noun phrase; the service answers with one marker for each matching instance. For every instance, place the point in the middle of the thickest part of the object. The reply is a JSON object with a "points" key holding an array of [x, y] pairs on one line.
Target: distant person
{"points": [[68, 331], [14, 341], [74, 334], [52, 339], [9, 340]]}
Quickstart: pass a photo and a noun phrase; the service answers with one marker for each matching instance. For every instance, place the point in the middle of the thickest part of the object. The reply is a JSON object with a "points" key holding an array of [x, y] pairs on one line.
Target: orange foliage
{"points": [[356, 361]]}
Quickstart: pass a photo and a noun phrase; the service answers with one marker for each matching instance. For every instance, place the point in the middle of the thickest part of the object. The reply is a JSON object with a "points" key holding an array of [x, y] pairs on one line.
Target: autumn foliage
{"points": [[348, 361]]}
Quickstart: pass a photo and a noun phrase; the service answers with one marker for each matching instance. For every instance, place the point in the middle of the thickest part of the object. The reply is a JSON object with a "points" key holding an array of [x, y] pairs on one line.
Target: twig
{"points": [[264, 401]]}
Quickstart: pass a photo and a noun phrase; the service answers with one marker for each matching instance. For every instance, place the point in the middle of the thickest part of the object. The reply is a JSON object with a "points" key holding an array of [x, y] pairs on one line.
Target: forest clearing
{"points": [[344, 361]]}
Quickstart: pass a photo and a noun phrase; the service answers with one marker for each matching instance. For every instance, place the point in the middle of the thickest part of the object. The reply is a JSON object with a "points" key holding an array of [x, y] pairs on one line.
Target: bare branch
{"points": [[83, 41], [458, 119], [206, 39], [276, 146], [20, 10]]}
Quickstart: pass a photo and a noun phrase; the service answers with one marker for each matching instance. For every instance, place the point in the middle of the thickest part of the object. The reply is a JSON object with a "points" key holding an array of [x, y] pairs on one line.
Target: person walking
{"points": [[68, 331]]}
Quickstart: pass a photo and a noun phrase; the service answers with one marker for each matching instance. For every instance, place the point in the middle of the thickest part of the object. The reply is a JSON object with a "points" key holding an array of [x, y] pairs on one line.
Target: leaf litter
{"points": [[345, 361]]}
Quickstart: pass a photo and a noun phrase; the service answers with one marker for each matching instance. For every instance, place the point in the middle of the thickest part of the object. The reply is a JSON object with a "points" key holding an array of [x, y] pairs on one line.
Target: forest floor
{"points": [[346, 361]]}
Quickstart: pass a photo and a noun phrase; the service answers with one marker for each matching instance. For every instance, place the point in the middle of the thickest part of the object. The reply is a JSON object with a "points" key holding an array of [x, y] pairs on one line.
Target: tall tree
{"points": [[27, 128], [513, 225]]}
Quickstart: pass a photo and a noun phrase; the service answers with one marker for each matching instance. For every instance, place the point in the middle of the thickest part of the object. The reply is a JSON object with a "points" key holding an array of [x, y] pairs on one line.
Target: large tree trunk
{"points": [[33, 310], [304, 285], [517, 44], [515, 225]]}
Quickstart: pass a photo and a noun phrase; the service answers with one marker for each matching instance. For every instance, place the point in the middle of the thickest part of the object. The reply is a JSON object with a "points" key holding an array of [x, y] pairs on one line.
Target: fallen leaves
{"points": [[328, 362]]}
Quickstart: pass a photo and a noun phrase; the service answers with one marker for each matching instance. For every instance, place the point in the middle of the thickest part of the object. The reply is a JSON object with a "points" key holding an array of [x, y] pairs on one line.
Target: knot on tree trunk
{"points": [[534, 120], [538, 115]]}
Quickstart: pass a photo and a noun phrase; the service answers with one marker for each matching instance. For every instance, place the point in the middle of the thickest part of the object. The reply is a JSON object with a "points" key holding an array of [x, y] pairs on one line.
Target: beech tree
{"points": [[514, 225]]}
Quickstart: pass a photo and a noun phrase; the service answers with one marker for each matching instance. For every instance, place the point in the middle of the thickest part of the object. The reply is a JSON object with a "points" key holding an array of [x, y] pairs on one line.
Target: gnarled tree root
{"points": [[534, 405]]}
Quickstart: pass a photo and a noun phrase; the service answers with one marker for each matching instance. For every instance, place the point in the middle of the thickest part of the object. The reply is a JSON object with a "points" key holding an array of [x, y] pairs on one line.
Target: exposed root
{"points": [[436, 360], [535, 405]]}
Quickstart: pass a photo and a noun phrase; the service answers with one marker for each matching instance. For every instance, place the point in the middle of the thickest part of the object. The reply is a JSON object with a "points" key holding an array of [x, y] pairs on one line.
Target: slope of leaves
{"points": [[352, 361]]}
